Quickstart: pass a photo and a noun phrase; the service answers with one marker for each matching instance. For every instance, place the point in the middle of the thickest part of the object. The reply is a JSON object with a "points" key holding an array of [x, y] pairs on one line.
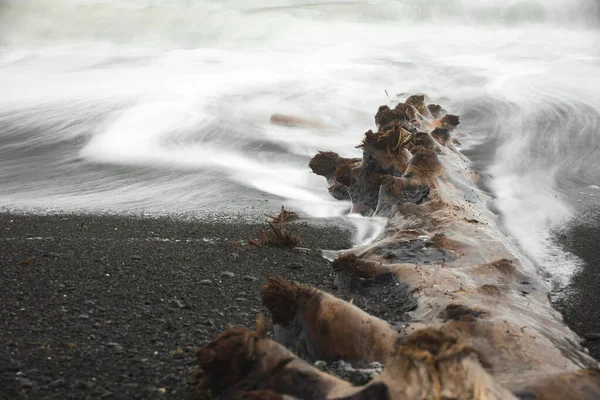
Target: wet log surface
{"points": [[477, 321], [114, 307]]}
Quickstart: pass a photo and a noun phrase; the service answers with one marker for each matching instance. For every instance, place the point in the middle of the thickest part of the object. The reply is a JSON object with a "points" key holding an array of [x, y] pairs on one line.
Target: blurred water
{"points": [[164, 106]]}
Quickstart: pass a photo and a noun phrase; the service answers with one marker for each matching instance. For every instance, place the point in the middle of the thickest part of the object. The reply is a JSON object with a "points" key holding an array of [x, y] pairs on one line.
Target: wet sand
{"points": [[580, 302]]}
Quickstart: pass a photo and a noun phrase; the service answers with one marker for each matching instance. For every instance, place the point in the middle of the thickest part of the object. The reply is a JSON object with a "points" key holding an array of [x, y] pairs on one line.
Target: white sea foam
{"points": [[165, 105]]}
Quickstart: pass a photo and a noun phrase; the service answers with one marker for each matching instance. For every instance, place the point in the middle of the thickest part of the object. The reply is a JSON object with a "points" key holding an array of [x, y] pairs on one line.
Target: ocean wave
{"points": [[165, 106], [189, 24]]}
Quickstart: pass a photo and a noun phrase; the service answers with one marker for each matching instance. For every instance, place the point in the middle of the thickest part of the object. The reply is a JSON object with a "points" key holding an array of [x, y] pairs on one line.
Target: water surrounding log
{"points": [[481, 325]]}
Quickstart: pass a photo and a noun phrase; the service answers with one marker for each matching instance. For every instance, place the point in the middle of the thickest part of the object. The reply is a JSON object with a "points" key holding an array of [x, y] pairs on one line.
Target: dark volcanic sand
{"points": [[113, 307], [580, 302]]}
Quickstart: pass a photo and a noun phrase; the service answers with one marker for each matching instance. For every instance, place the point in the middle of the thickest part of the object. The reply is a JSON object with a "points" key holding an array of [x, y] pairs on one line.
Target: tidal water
{"points": [[163, 106]]}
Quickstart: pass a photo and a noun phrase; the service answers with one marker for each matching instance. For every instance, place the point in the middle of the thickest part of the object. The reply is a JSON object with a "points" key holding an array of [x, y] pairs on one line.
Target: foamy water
{"points": [[164, 106]]}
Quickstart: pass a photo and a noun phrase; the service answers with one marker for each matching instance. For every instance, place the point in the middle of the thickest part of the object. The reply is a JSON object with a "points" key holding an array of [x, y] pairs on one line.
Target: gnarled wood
{"points": [[483, 327]]}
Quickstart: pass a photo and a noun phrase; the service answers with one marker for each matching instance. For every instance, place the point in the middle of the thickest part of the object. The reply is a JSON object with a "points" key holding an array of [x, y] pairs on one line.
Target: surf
{"points": [[172, 102]]}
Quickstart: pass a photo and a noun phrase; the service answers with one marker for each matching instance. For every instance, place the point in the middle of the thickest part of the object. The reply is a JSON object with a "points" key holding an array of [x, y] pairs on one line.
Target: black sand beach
{"points": [[580, 302], [114, 307]]}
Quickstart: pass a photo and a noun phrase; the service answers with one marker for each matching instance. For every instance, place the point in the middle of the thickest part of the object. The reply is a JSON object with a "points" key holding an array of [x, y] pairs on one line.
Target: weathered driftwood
{"points": [[291, 121], [278, 234], [483, 326]]}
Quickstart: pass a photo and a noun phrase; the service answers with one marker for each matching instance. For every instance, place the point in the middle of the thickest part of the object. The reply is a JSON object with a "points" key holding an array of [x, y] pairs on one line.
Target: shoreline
{"points": [[465, 285], [113, 307], [577, 302], [580, 302], [34, 244]]}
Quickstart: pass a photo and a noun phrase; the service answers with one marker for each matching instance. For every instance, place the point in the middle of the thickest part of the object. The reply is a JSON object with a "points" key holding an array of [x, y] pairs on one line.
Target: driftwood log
{"points": [[480, 325]]}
